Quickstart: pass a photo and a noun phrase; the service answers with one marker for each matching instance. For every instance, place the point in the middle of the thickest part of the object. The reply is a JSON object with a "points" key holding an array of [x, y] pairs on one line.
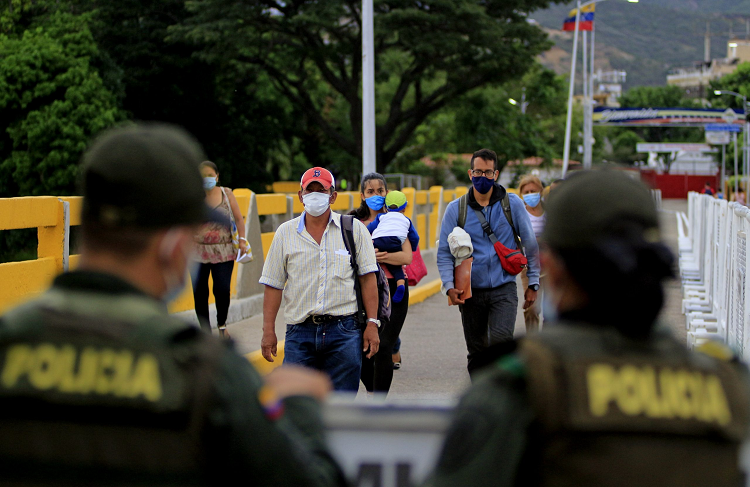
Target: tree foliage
{"points": [[431, 52], [486, 118], [737, 81], [52, 101], [233, 111]]}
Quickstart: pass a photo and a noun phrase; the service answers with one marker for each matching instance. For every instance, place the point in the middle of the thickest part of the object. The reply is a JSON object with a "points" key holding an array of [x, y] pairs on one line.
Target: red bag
{"points": [[417, 269], [513, 261]]}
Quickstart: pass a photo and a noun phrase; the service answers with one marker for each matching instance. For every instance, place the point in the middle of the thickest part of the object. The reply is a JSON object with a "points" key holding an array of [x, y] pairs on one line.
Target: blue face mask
{"points": [[209, 183], [532, 199], [483, 184], [375, 202]]}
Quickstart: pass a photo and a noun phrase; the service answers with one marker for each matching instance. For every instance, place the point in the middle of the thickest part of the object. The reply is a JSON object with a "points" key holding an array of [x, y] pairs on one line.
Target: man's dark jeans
{"points": [[489, 318], [334, 347]]}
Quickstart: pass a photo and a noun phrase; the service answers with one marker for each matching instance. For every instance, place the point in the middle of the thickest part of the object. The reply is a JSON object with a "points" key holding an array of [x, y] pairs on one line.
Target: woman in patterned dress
{"points": [[215, 252]]}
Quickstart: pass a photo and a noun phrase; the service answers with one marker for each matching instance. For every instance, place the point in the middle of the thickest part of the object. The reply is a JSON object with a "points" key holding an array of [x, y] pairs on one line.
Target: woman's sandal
{"points": [[223, 332], [396, 360]]}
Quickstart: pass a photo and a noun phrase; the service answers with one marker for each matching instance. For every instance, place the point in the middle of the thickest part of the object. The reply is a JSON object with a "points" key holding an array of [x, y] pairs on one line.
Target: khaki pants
{"points": [[532, 315]]}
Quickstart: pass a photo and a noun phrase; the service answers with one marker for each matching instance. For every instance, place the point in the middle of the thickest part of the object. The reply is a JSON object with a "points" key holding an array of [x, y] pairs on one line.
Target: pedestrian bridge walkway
{"points": [[433, 350]]}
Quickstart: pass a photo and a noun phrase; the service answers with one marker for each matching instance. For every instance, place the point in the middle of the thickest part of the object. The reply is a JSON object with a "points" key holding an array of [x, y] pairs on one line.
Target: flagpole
{"points": [[571, 91], [588, 110], [585, 81], [590, 142]]}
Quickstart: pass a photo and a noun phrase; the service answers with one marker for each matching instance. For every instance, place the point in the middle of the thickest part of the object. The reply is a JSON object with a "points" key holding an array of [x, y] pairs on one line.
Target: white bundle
{"points": [[460, 244]]}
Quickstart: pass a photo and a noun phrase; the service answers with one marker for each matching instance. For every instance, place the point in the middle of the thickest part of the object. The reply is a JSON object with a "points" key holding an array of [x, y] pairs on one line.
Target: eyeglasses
{"points": [[489, 173]]}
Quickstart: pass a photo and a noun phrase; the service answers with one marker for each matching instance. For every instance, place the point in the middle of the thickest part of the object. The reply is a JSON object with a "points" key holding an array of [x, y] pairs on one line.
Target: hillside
{"points": [[649, 38]]}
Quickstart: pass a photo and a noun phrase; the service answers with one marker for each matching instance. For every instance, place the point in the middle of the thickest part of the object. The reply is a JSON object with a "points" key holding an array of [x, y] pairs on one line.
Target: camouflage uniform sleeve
{"points": [[256, 438], [488, 437]]}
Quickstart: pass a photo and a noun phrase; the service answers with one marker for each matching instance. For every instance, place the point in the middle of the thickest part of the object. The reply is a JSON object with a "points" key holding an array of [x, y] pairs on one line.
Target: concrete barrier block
{"points": [[249, 274]]}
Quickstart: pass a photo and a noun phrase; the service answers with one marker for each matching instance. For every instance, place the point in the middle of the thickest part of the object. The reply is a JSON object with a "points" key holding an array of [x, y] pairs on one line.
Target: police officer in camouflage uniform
{"points": [[603, 396], [100, 385]]}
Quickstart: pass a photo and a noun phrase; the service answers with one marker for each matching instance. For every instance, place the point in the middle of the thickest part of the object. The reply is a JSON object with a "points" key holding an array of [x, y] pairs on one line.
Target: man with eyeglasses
{"points": [[489, 316]]}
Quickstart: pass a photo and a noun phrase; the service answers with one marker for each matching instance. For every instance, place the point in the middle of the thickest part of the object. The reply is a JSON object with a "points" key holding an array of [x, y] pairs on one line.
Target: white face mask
{"points": [[316, 203]]}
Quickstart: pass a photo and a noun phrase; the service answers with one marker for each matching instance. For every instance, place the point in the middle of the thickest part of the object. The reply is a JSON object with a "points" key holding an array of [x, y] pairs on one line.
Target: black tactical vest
{"points": [[614, 412], [88, 398]]}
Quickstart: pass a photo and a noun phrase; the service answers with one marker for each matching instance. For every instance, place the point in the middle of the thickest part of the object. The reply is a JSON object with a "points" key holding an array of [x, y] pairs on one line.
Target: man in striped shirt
{"points": [[309, 267]]}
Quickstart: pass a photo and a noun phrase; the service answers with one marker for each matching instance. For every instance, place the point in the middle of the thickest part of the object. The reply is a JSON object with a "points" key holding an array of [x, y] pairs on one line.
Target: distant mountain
{"points": [[648, 38]]}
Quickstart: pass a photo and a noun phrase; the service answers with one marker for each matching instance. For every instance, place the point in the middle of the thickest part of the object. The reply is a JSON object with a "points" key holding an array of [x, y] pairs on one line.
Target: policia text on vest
{"points": [[89, 370], [656, 392]]}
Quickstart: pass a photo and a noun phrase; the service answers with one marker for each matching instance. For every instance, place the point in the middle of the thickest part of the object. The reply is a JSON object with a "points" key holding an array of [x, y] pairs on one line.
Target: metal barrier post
{"points": [[66, 236]]}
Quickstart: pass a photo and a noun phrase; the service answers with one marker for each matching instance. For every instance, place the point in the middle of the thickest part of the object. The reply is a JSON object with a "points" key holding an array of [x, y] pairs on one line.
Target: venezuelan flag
{"points": [[586, 21]]}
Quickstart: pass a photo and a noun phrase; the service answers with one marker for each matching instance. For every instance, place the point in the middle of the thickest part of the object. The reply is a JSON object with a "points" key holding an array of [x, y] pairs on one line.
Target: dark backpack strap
{"points": [[505, 202], [509, 216], [485, 226], [463, 204], [347, 233]]}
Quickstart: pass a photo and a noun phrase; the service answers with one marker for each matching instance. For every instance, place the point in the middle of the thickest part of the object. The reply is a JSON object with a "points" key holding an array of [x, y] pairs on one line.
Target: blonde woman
{"points": [[530, 188]]}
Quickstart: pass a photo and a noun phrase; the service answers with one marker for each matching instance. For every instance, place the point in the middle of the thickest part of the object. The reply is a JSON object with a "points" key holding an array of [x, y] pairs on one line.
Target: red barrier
{"points": [[677, 185]]}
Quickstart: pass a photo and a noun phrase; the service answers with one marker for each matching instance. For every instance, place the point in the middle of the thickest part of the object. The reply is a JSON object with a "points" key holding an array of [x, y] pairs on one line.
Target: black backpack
{"points": [[384, 292]]}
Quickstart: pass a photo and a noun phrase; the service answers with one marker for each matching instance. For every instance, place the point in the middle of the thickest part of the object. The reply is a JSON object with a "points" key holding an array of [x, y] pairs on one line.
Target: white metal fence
{"points": [[713, 264]]}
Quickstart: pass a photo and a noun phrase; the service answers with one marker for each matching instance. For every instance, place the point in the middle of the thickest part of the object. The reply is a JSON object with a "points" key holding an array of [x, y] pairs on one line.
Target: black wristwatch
{"points": [[534, 287]]}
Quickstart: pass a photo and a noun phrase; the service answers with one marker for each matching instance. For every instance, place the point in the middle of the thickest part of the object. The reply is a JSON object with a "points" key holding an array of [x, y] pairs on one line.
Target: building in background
{"points": [[608, 88], [695, 80]]}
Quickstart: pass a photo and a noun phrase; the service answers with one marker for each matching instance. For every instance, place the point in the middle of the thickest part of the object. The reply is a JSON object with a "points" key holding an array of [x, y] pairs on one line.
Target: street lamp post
{"points": [[587, 106], [746, 143], [369, 153], [524, 103]]}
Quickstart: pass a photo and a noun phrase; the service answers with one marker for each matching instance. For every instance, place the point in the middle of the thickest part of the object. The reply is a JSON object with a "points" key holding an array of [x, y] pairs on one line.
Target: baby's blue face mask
{"points": [[375, 202], [532, 199]]}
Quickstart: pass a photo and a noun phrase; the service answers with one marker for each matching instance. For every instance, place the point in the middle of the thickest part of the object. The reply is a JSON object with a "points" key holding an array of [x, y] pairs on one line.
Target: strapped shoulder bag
{"points": [[242, 257], [233, 226], [512, 260], [384, 292]]}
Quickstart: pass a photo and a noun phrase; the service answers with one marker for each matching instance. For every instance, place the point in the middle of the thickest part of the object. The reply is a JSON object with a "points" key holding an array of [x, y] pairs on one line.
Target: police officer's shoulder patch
{"points": [[717, 350], [512, 364]]}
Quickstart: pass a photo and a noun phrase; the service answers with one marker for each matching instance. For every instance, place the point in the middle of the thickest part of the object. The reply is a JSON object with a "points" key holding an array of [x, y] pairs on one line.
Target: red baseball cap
{"points": [[319, 174]]}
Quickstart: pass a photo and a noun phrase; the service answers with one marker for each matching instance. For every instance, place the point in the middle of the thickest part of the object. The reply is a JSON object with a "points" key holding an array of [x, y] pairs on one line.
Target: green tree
{"points": [[52, 101], [231, 109], [737, 81], [485, 118], [432, 51], [624, 148]]}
